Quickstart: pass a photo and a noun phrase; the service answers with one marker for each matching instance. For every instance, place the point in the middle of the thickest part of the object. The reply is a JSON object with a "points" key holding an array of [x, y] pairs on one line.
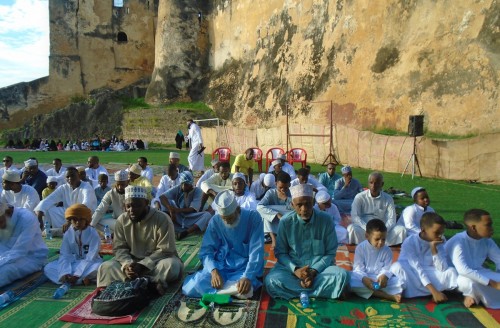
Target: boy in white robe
{"points": [[410, 218], [79, 259], [467, 251], [422, 265], [324, 203], [372, 263]]}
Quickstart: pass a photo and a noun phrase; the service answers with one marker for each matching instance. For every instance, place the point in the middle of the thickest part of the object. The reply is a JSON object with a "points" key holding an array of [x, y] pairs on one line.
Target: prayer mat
{"points": [[182, 311], [358, 312]]}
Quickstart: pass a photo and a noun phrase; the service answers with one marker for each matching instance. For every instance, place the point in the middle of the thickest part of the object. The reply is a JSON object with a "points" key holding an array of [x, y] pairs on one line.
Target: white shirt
{"points": [[208, 173], [84, 194], [61, 175], [194, 135], [332, 211], [371, 260], [365, 207], [27, 197], [148, 173], [216, 183], [93, 174], [286, 168], [410, 218]]}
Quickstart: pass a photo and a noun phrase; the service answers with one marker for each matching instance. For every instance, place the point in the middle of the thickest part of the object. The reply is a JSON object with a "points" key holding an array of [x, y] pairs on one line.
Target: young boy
{"points": [[103, 187], [372, 263], [51, 187], [324, 203], [467, 251], [410, 218], [79, 258], [422, 266]]}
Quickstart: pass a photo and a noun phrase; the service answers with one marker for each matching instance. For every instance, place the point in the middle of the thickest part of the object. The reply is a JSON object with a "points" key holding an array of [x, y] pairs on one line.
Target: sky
{"points": [[24, 40]]}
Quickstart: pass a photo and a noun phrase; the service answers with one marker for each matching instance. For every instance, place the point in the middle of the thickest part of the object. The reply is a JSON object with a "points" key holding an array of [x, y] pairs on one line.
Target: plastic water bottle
{"points": [[61, 291], [7, 297], [376, 285], [304, 300], [48, 234], [107, 235]]}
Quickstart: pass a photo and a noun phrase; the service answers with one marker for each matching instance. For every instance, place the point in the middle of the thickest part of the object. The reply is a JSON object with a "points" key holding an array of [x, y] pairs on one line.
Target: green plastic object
{"points": [[214, 298]]}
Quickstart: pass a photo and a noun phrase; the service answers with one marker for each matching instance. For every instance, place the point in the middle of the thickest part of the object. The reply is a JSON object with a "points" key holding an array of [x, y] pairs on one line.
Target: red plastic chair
{"points": [[297, 155], [257, 156], [224, 154], [272, 154]]}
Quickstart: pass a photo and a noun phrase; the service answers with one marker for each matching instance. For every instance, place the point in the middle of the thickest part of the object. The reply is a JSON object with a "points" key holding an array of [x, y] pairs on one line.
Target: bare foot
{"points": [[397, 298], [160, 289], [381, 294], [469, 301]]}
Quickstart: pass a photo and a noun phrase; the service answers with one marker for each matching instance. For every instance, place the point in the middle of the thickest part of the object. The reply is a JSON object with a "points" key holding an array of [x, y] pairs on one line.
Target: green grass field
{"points": [[449, 198]]}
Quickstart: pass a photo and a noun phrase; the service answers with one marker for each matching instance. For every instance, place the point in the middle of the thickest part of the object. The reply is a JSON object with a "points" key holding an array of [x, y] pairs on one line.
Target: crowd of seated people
{"points": [[305, 220]]}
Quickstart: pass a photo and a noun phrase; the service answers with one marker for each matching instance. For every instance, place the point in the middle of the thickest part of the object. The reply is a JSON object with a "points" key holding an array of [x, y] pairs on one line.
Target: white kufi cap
{"points": [[415, 190], [121, 175], [301, 190], [11, 176], [226, 203], [174, 155], [270, 180], [30, 162], [322, 196]]}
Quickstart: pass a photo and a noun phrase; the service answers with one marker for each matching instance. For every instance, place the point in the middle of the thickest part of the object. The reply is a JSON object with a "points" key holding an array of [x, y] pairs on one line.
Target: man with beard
{"points": [[232, 252], [305, 248], [244, 197], [34, 177], [74, 191], [182, 203], [143, 244], [114, 198], [57, 171], [22, 249], [94, 169], [16, 194]]}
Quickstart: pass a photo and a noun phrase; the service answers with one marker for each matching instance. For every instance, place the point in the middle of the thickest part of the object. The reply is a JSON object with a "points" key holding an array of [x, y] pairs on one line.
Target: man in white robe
{"points": [[285, 167], [262, 185], [208, 173], [94, 169], [167, 182], [147, 171], [16, 194], [74, 191], [196, 157], [244, 198], [22, 249], [217, 183], [324, 203], [374, 204], [57, 171]]}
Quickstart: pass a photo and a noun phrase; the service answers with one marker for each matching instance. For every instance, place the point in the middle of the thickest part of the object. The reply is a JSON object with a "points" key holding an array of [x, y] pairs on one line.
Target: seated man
{"points": [[147, 171], [262, 185], [175, 158], [182, 203], [468, 252], [329, 178], [324, 203], [57, 171], [346, 188], [374, 204], [16, 194], [232, 252], [74, 191], [169, 180], [275, 204], [304, 177], [244, 163], [244, 198], [208, 173], [217, 183], [114, 198], [305, 249], [135, 179], [34, 177], [143, 244], [22, 249], [285, 166], [94, 169]]}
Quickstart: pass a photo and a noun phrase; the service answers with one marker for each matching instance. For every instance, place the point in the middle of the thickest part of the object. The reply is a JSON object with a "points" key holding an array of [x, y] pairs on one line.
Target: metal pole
{"points": [[287, 130]]}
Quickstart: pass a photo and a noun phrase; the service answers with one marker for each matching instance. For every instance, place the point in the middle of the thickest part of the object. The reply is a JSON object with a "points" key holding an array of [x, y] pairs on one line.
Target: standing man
{"points": [[144, 245], [94, 169], [244, 163], [196, 156]]}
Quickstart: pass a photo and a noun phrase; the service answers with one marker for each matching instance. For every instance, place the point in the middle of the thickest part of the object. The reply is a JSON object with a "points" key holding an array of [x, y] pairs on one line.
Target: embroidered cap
{"points": [[346, 169], [30, 163], [121, 175], [135, 192], [276, 162], [174, 155], [51, 179], [238, 175], [135, 168], [301, 190], [226, 203]]}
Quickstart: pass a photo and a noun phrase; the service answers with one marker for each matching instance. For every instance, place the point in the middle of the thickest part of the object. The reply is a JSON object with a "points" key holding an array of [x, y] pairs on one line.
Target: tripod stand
{"points": [[414, 159]]}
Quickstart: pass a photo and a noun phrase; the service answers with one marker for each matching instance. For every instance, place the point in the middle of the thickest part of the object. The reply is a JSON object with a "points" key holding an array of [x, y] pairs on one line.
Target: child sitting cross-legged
{"points": [[79, 258], [422, 265], [372, 261]]}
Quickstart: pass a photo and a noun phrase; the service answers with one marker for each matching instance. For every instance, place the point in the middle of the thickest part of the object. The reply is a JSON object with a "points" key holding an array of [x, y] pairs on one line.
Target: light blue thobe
{"points": [[329, 181], [301, 243], [271, 205], [193, 200], [343, 197], [235, 252]]}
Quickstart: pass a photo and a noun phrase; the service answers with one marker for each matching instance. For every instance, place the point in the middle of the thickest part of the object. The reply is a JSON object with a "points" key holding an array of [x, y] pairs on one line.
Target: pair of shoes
{"points": [[181, 235]]}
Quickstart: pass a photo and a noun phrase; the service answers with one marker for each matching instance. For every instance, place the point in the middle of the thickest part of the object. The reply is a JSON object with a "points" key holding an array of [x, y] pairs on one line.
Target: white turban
{"points": [[270, 180], [238, 175], [11, 176], [301, 190], [226, 203], [30, 163]]}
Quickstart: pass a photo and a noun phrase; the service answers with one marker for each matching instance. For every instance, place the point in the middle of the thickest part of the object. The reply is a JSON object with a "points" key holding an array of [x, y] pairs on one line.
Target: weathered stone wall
{"points": [[379, 61], [475, 158]]}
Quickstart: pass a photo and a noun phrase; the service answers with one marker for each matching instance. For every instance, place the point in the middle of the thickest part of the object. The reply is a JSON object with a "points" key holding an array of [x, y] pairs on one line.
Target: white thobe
{"points": [[340, 231], [79, 256], [166, 183], [27, 197], [84, 194], [364, 208], [148, 173], [208, 173], [25, 251], [468, 255], [312, 181], [2, 171], [258, 189], [373, 262], [246, 201], [410, 218], [61, 175], [417, 267], [93, 174], [217, 184], [196, 161], [285, 168]]}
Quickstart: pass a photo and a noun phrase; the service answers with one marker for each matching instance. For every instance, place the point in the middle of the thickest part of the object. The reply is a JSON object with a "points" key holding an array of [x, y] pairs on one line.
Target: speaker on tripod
{"points": [[416, 125]]}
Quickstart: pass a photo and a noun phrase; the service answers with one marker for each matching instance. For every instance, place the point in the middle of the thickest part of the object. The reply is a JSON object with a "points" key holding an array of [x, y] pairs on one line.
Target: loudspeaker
{"points": [[416, 125]]}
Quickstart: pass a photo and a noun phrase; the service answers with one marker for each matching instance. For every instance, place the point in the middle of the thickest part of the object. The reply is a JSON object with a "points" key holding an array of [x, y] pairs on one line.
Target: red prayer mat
{"points": [[106, 249], [82, 313]]}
